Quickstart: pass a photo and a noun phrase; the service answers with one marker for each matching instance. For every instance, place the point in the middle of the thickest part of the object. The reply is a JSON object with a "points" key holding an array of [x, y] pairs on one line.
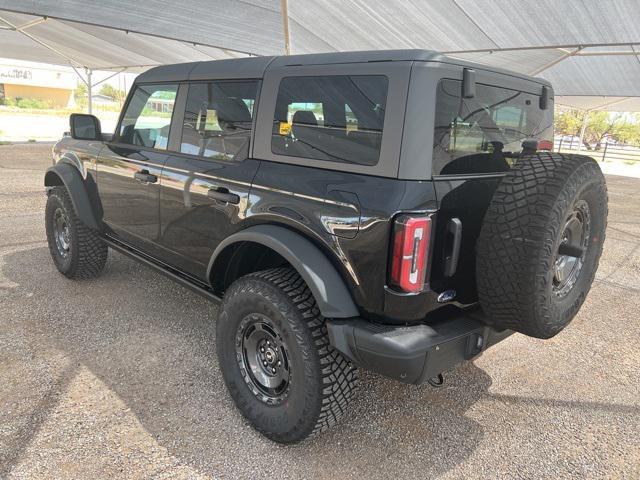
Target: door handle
{"points": [[145, 177], [452, 247], [223, 195]]}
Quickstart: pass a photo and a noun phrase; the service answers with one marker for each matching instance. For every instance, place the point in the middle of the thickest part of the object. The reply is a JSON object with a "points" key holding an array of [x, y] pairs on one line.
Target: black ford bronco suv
{"points": [[398, 211]]}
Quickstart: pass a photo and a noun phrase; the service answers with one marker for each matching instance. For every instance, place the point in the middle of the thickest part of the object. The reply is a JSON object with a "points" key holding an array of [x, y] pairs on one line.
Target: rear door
{"points": [[205, 185], [129, 167], [476, 142]]}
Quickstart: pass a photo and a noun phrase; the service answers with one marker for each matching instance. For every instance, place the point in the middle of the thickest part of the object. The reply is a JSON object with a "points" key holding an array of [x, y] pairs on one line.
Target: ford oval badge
{"points": [[446, 296]]}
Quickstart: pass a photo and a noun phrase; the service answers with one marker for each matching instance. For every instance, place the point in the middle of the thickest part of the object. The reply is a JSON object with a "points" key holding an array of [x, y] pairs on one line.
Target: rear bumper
{"points": [[416, 353]]}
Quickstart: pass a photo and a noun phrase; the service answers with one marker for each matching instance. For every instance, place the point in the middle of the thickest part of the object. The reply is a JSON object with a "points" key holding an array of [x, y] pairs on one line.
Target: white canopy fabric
{"points": [[588, 49], [610, 104]]}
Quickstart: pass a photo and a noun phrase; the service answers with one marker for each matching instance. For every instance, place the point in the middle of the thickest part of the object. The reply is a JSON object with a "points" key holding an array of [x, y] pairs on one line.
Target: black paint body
{"points": [[166, 211], [347, 216]]}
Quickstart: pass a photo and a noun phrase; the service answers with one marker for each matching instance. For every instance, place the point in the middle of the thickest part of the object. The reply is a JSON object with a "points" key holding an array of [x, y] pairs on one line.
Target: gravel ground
{"points": [[117, 377]]}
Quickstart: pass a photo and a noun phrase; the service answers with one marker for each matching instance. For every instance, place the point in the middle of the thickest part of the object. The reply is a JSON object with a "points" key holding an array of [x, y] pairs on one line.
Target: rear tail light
{"points": [[409, 253], [545, 145]]}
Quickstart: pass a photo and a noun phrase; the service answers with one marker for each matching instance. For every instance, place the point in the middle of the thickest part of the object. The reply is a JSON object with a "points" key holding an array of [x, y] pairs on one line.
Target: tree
{"points": [[600, 125], [568, 122], [630, 132], [112, 92], [80, 94]]}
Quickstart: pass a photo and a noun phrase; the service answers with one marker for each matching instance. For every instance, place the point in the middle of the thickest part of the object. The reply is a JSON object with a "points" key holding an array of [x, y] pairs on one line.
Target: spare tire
{"points": [[540, 243]]}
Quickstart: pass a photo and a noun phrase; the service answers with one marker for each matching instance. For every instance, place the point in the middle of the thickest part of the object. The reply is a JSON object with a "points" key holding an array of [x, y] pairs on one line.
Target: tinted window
{"points": [[333, 118], [479, 135], [148, 116], [217, 120]]}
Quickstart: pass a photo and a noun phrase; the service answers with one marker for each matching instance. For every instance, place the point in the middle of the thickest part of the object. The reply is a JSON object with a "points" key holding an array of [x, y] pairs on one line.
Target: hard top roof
{"points": [[254, 67]]}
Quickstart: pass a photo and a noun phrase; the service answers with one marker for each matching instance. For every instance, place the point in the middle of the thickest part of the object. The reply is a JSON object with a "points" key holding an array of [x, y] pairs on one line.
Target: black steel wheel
{"points": [[62, 232], [263, 358], [571, 251], [276, 360], [76, 250]]}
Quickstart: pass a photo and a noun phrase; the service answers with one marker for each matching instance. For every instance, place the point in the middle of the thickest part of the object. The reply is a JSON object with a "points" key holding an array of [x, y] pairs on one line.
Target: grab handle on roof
{"points": [[544, 98], [468, 83]]}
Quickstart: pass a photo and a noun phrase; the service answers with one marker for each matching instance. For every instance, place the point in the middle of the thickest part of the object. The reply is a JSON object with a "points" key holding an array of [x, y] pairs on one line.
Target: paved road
{"points": [[117, 377]]}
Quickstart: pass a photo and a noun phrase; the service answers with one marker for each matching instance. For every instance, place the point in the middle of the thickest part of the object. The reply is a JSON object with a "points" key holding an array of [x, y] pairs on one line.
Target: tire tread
{"points": [[92, 252], [339, 378], [514, 250]]}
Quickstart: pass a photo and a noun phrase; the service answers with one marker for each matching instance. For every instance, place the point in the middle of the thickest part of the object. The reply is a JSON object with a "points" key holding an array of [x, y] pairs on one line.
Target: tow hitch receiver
{"points": [[414, 354]]}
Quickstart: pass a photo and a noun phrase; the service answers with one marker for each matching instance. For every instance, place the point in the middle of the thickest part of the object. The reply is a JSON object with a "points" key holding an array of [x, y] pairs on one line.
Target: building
{"points": [[99, 99], [53, 85]]}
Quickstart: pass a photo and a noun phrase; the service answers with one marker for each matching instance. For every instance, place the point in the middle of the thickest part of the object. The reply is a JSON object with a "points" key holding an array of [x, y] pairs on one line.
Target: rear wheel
{"points": [[76, 250], [541, 242], [276, 360]]}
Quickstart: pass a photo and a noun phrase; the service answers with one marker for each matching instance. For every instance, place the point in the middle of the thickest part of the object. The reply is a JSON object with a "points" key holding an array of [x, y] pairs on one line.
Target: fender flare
{"points": [[329, 289], [72, 180]]}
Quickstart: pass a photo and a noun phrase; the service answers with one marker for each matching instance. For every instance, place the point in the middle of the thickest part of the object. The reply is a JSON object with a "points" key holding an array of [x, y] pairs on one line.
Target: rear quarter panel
{"points": [[346, 215]]}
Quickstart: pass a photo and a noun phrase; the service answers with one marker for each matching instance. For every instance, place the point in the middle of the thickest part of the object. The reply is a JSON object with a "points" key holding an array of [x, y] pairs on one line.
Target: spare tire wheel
{"points": [[540, 242]]}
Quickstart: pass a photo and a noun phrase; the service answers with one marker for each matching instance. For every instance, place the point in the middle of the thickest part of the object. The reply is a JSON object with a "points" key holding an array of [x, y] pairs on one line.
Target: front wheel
{"points": [[76, 250], [276, 360]]}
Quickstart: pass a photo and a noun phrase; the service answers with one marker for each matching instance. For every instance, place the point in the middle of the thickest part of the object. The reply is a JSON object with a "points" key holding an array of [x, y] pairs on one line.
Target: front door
{"points": [[205, 188], [129, 168]]}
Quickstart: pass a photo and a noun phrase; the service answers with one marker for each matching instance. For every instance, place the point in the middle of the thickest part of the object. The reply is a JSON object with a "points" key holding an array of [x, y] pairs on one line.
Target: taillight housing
{"points": [[410, 252], [545, 145]]}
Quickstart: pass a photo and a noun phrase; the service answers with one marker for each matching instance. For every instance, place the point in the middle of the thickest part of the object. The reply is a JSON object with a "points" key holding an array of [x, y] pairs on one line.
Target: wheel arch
{"points": [[67, 175], [329, 289]]}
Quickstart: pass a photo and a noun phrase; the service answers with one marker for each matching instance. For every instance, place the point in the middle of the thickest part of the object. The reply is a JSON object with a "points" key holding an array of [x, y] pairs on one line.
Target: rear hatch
{"points": [[476, 142]]}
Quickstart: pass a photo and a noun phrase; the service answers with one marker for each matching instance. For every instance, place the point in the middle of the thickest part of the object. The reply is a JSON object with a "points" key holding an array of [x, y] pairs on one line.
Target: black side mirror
{"points": [[84, 127]]}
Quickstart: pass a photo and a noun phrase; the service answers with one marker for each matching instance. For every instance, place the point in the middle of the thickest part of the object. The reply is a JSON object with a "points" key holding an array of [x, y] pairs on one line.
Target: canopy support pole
{"points": [[566, 54], [582, 46], [613, 102], [89, 101], [123, 69], [284, 7], [37, 40]]}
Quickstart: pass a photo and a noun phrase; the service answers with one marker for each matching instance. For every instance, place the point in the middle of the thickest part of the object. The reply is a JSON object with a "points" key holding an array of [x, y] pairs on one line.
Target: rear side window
{"points": [[148, 116], [337, 118], [218, 119], [480, 134]]}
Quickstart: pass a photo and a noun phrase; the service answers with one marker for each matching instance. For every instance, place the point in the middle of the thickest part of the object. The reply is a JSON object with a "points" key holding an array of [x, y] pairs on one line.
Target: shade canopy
{"points": [[588, 49]]}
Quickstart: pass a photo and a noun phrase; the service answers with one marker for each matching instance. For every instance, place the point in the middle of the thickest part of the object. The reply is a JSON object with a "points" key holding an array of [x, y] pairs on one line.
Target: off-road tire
{"points": [[520, 237], [322, 380], [87, 253]]}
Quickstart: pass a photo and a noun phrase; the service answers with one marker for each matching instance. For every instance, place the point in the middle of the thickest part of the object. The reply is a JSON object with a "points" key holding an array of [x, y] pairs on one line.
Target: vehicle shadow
{"points": [[152, 343]]}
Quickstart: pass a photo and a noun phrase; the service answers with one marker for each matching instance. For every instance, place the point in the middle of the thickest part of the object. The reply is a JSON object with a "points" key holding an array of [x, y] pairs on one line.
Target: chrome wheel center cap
{"points": [[270, 356]]}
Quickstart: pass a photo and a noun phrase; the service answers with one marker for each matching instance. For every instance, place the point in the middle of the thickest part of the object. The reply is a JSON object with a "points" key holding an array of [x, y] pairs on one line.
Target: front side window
{"points": [[484, 134], [218, 119], [336, 118], [147, 119]]}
